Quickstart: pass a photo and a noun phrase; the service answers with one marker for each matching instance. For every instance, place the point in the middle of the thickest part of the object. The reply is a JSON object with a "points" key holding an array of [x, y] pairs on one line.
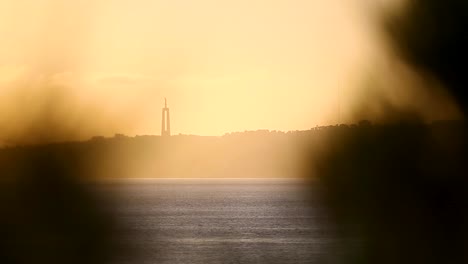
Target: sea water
{"points": [[195, 221]]}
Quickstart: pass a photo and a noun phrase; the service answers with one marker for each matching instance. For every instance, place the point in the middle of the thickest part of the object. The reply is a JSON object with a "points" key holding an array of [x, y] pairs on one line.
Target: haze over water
{"points": [[366, 98]]}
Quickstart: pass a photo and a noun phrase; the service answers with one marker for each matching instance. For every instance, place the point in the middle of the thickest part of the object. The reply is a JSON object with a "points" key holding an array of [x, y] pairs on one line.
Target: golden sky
{"points": [[104, 66]]}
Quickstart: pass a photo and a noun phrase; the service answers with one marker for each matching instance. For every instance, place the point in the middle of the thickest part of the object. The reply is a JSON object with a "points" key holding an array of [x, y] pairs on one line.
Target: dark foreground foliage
{"points": [[398, 193], [48, 215]]}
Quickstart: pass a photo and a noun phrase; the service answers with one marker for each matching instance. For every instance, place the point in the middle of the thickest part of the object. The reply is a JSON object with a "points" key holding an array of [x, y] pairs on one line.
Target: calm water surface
{"points": [[223, 221]]}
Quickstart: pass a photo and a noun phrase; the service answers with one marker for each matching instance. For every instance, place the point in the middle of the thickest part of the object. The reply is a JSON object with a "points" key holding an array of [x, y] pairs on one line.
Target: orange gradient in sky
{"points": [[104, 67]]}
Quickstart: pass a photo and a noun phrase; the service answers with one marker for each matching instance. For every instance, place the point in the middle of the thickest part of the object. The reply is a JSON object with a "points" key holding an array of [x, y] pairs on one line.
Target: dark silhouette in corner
{"points": [[50, 212], [48, 216], [398, 192]]}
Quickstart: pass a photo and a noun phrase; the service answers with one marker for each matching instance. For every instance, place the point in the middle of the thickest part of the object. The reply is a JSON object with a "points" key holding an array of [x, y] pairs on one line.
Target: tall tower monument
{"points": [[165, 121]]}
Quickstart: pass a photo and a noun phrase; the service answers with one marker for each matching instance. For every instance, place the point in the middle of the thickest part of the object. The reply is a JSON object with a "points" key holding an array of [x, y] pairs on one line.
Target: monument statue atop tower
{"points": [[165, 121]]}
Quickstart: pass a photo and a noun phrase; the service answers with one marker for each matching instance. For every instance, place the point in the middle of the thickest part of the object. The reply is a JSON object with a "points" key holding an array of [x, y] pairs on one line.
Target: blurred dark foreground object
{"points": [[47, 215], [398, 193], [431, 36]]}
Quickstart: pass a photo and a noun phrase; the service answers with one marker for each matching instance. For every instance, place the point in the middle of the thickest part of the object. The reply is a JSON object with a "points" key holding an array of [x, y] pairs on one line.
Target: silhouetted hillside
{"points": [[248, 154], [243, 154]]}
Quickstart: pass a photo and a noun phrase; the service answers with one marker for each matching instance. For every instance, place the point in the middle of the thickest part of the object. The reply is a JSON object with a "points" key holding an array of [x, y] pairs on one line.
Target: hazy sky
{"points": [[105, 66]]}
